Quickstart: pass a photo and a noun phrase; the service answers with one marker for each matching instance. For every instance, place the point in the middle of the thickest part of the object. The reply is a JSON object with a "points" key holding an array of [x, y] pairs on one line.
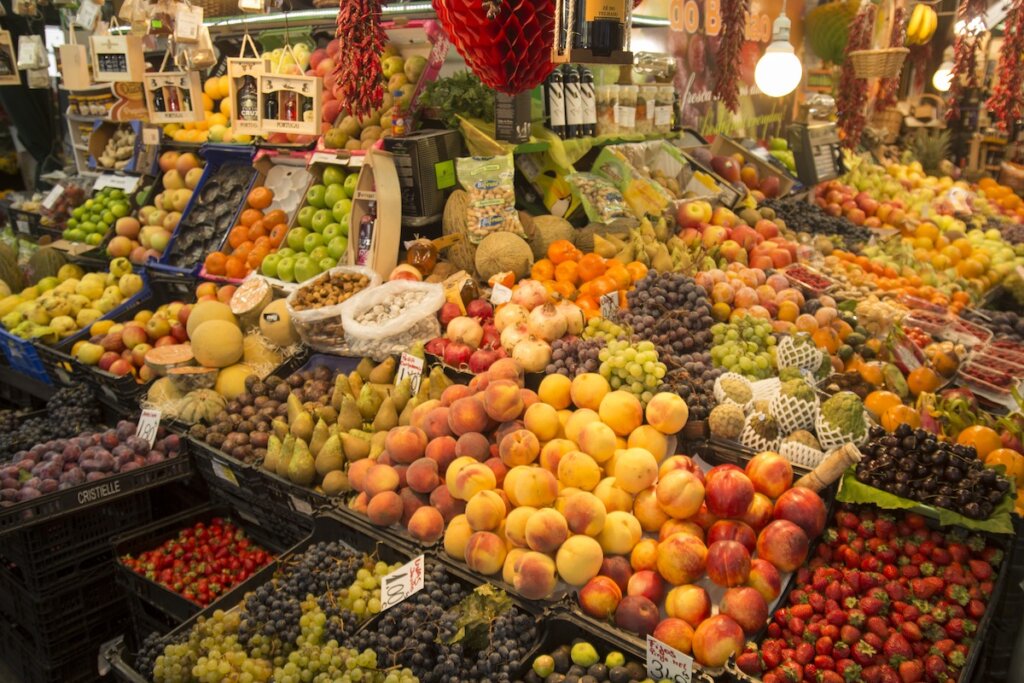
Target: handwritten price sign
{"points": [[401, 583], [412, 367], [667, 663], [149, 423]]}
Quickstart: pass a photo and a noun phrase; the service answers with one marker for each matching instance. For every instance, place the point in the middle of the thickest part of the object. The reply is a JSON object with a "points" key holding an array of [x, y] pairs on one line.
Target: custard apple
{"points": [[845, 411], [764, 425], [792, 372], [799, 389], [726, 421], [802, 436], [736, 389]]}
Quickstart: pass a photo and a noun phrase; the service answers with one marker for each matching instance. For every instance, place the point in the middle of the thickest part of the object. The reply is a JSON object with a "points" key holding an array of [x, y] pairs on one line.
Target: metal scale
{"points": [[814, 139]]}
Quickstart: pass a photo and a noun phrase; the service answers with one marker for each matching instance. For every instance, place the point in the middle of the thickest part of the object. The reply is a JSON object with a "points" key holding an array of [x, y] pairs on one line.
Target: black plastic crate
{"points": [[76, 665], [221, 471], [281, 528], [145, 620], [177, 607]]}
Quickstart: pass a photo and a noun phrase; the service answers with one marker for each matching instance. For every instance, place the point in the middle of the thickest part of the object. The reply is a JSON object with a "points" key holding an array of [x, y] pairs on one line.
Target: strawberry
{"points": [[878, 626], [992, 555], [897, 649], [849, 635], [774, 630], [958, 629], [955, 611], [911, 612], [954, 573], [771, 653], [866, 528], [849, 670], [817, 602], [791, 671], [810, 672], [926, 568], [909, 571], [911, 631], [872, 674], [871, 605], [875, 543], [975, 609], [841, 650], [835, 616], [863, 653], [847, 519], [926, 587], [895, 590], [940, 556], [957, 594], [856, 617], [796, 626], [772, 677], [749, 662], [920, 648], [915, 521], [874, 640], [804, 653], [823, 646], [889, 675], [870, 563], [956, 658], [891, 572], [934, 667], [830, 677], [830, 631], [801, 611], [885, 526], [824, 662], [981, 569]]}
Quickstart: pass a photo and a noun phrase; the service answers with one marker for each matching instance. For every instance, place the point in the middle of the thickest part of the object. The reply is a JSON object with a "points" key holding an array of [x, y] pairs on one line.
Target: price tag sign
{"points": [[150, 135], [88, 12], [51, 198], [22, 226], [500, 294], [667, 663], [224, 472], [609, 304], [149, 423], [412, 367], [401, 583], [187, 20], [62, 375], [121, 182], [302, 506]]}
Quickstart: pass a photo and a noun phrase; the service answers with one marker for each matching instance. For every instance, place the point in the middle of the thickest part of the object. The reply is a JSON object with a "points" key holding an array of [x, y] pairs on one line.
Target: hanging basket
{"points": [[888, 123], [881, 63]]}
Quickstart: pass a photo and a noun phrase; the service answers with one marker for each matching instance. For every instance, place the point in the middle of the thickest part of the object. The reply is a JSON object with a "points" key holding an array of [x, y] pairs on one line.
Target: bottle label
{"points": [[663, 115], [573, 105], [247, 106], [589, 103], [556, 104], [606, 10], [625, 116]]}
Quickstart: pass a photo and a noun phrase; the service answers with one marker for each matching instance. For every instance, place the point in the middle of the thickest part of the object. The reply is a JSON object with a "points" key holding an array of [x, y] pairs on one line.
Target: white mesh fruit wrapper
{"points": [[753, 440], [793, 413], [804, 356], [801, 454], [766, 389], [831, 437], [720, 395]]}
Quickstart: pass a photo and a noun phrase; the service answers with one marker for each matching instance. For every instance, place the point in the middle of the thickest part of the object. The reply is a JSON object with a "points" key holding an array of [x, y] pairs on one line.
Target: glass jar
{"points": [[663, 109], [626, 109]]}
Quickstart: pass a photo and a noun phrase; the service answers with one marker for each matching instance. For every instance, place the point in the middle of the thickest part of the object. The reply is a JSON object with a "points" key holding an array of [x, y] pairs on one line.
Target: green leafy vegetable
{"points": [[463, 94]]}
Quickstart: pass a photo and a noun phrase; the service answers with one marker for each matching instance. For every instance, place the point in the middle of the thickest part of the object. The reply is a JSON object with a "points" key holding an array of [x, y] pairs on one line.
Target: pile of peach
{"points": [[859, 270]]}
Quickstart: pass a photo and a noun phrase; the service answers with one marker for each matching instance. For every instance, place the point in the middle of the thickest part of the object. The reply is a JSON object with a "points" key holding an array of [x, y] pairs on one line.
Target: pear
{"points": [[301, 468], [301, 426], [424, 393], [341, 388], [402, 393], [364, 369], [294, 407], [319, 437], [387, 416], [368, 402], [385, 372], [377, 444], [273, 453], [280, 428], [355, 447], [287, 448], [328, 414], [336, 483], [355, 383], [349, 416], [438, 382], [405, 419], [330, 456]]}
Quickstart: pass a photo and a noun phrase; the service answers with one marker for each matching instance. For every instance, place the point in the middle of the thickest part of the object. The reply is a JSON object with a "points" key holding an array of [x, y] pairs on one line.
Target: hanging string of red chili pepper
{"points": [[358, 74], [965, 54], [734, 24], [853, 92], [888, 87], [1007, 100]]}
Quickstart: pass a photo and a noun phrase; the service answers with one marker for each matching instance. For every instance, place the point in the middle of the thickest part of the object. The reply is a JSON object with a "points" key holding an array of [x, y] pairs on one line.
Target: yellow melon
{"points": [[260, 354], [231, 381], [217, 344], [276, 324], [209, 310], [162, 391]]}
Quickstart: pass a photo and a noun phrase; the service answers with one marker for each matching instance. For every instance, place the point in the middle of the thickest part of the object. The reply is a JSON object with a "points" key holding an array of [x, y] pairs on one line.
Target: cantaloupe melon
{"points": [[209, 310], [249, 300], [276, 324], [160, 359], [217, 343], [191, 378], [231, 381], [201, 405], [259, 354], [162, 391]]}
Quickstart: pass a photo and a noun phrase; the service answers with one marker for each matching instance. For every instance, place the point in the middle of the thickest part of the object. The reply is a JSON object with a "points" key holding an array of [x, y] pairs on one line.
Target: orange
{"points": [[238, 234], [878, 402], [872, 373], [589, 305], [592, 266], [235, 268], [901, 414], [567, 271], [563, 250], [826, 338], [215, 263], [257, 229], [923, 380], [983, 439], [620, 276], [788, 311], [636, 270], [243, 249], [255, 258], [274, 217], [564, 289], [260, 197], [604, 285], [277, 234], [542, 270], [1009, 459], [250, 216]]}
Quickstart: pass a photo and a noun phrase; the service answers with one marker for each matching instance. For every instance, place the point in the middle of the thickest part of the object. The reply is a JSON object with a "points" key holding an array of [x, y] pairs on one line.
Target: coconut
{"points": [[543, 230], [453, 222], [502, 252]]}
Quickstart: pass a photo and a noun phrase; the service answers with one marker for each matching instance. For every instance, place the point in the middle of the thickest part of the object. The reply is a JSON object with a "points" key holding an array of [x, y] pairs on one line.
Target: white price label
{"points": [[667, 663], [187, 21], [609, 304], [412, 367], [327, 158], [150, 135], [300, 505], [224, 472], [88, 12], [401, 583], [52, 197], [22, 226], [149, 423], [62, 375], [121, 182], [500, 294], [662, 115]]}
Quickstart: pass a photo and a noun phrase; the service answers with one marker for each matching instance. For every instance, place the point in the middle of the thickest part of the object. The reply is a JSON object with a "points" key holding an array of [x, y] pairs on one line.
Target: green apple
{"points": [[72, 223], [286, 251], [333, 175], [341, 209], [345, 225], [351, 180], [286, 269], [109, 217], [326, 264], [312, 241], [321, 219], [120, 209], [337, 247], [306, 216], [269, 265], [333, 194], [392, 65], [305, 268], [315, 196], [296, 236], [94, 238], [318, 252], [331, 231], [78, 213]]}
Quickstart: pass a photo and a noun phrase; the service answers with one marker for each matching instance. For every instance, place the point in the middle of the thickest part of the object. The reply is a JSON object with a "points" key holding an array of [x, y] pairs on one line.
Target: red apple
{"points": [[733, 252], [726, 167], [725, 217], [112, 341], [714, 235], [766, 228], [747, 236], [180, 332], [692, 213], [746, 606], [781, 258], [121, 367], [166, 340], [784, 544], [139, 354], [804, 508]]}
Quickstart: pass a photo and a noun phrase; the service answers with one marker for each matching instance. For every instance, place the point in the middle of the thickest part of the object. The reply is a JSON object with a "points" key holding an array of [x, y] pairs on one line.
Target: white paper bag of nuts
{"points": [[389, 319], [492, 196], [315, 305]]}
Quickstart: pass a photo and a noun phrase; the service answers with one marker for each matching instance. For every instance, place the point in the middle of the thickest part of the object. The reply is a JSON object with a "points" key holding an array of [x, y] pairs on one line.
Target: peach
{"points": [[667, 413], [716, 639], [506, 369], [357, 473], [473, 445], [597, 440], [675, 633], [579, 419], [454, 392], [637, 614], [502, 400], [728, 563], [467, 415], [485, 552], [411, 502], [728, 493], [682, 558], [704, 519], [534, 576], [546, 529], [784, 544], [535, 486], [600, 597], [681, 462], [508, 569], [420, 412], [770, 473], [360, 503], [635, 469], [542, 420], [515, 525], [759, 512], [691, 603], [804, 508], [621, 411], [680, 526], [765, 578], [719, 469], [442, 451], [613, 497], [680, 494], [529, 397], [644, 555], [499, 469], [506, 428], [746, 606], [584, 513], [731, 530], [620, 533], [578, 470], [485, 511], [401, 470], [380, 478], [650, 439], [520, 447], [551, 453], [422, 476], [426, 524], [555, 391], [435, 423], [618, 570], [579, 560], [469, 480], [648, 584], [441, 498], [587, 390], [647, 511], [385, 508]]}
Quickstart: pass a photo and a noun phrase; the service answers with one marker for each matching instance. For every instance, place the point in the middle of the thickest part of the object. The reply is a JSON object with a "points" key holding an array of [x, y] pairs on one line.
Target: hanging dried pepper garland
{"points": [[965, 53], [358, 75], [1007, 100], [853, 91], [734, 24], [888, 87]]}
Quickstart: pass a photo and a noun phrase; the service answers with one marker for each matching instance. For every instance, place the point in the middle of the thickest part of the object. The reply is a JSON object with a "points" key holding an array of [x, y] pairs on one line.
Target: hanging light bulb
{"points": [[779, 71], [943, 78]]}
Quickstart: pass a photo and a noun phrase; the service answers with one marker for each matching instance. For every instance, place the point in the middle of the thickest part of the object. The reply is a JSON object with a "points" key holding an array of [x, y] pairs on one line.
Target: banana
{"points": [[922, 25], [914, 25]]}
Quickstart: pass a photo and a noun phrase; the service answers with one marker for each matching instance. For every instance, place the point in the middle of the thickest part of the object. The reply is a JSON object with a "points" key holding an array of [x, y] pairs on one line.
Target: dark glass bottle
{"points": [[248, 102], [573, 102], [554, 99], [270, 106], [601, 25], [366, 226], [589, 101], [158, 100]]}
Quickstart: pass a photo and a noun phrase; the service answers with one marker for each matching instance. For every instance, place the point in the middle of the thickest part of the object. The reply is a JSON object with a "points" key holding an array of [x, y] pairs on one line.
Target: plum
{"points": [[28, 493]]}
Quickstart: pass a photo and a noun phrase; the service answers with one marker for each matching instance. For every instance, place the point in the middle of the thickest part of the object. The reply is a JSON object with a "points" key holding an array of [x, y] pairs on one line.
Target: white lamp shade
{"points": [[943, 78], [779, 71]]}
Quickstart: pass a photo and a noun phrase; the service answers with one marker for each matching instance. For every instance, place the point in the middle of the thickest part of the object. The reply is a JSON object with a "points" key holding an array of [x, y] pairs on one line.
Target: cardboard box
{"points": [[378, 183], [102, 132], [725, 146]]}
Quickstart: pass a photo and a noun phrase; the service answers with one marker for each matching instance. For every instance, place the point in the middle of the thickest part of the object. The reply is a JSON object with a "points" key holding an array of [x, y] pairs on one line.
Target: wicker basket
{"points": [[882, 63], [218, 8], [887, 123]]}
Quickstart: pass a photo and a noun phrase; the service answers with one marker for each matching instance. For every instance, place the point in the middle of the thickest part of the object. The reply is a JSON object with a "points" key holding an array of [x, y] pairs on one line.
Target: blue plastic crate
{"points": [[22, 356]]}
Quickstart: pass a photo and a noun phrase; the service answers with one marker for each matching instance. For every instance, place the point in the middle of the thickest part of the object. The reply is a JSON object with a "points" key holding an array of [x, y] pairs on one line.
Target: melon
{"points": [[251, 297], [501, 252], [259, 354], [216, 343], [276, 324], [209, 310], [46, 262], [188, 379], [201, 405], [161, 359], [162, 392], [231, 381]]}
